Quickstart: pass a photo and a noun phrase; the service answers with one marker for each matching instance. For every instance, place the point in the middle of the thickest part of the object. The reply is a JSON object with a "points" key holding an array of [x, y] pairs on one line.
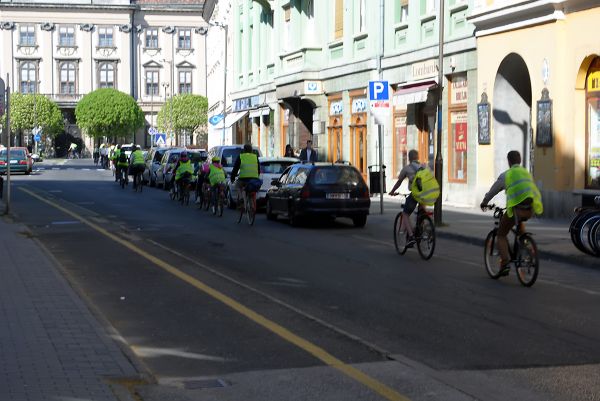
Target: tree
{"points": [[109, 113], [183, 114], [29, 110]]}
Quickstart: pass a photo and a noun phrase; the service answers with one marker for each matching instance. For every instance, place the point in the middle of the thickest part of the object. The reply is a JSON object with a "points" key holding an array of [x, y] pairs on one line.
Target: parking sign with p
{"points": [[378, 90]]}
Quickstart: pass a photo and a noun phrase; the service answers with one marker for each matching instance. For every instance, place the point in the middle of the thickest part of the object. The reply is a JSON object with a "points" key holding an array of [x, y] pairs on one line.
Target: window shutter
{"points": [[339, 19]]}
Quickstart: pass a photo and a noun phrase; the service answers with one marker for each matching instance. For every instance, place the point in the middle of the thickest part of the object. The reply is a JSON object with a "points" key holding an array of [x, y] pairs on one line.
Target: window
{"points": [[66, 36], [107, 75], [152, 83], [593, 126], [458, 132], [427, 7], [27, 35], [28, 78], [362, 15], [185, 38], [185, 81], [152, 38], [287, 27], [401, 11], [105, 37], [339, 19], [67, 78]]}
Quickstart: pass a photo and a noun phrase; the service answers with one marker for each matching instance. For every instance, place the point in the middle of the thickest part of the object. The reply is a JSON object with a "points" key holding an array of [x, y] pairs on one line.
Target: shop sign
{"points": [[593, 82], [336, 108], [313, 87], [544, 120], [426, 69], [459, 126], [483, 121], [460, 90], [245, 103], [359, 105]]}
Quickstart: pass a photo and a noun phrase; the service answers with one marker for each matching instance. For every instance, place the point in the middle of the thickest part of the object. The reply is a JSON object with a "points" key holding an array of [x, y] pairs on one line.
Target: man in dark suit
{"points": [[308, 154]]}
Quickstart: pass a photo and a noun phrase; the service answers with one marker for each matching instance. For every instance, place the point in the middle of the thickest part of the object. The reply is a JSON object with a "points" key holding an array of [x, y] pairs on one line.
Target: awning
{"points": [[263, 111], [412, 94], [233, 118]]}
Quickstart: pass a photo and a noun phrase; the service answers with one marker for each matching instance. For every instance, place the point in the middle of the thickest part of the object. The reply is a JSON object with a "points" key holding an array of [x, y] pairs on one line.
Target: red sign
{"points": [[460, 137]]}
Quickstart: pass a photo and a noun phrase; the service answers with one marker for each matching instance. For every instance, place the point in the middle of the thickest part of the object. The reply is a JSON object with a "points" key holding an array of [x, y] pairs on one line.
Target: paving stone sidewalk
{"points": [[51, 346]]}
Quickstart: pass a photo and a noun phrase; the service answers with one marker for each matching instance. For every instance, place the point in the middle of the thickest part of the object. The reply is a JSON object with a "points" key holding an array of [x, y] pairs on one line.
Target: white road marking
{"points": [[55, 168]]}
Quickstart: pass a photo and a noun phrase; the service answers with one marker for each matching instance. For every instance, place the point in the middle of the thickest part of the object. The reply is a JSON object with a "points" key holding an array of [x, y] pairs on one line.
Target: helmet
{"points": [[183, 157], [247, 148], [216, 159]]}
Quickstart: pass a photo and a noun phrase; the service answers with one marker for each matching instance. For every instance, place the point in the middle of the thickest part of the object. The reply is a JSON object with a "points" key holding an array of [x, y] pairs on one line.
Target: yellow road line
{"points": [[316, 351]]}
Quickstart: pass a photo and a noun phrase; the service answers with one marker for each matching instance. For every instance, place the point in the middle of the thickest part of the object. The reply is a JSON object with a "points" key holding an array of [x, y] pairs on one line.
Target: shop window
{"points": [[593, 126], [458, 132]]}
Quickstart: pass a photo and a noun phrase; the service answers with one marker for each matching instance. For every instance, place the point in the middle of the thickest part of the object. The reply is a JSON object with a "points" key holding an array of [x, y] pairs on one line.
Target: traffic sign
{"points": [[379, 97], [152, 131], [379, 90], [160, 139], [37, 137]]}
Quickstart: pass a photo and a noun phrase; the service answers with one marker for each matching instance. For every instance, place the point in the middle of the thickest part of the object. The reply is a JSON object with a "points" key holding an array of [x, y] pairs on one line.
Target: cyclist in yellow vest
{"points": [[248, 168], [114, 157], [137, 163], [183, 170], [523, 200], [216, 177], [411, 202]]}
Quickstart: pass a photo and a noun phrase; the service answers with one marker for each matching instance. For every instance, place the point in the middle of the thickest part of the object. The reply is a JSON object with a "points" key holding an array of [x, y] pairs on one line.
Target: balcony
{"points": [[65, 100], [297, 60]]}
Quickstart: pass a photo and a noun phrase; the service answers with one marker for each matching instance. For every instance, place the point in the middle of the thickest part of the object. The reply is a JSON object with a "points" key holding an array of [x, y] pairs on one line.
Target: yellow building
{"points": [[539, 67]]}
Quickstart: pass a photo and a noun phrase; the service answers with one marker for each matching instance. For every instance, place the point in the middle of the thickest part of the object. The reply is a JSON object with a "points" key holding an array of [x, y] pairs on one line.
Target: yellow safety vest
{"points": [[216, 175], [430, 189], [520, 186], [248, 165], [137, 157], [185, 167]]}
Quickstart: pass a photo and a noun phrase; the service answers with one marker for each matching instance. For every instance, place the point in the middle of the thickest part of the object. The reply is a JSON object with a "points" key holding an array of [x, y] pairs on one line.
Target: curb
{"points": [[577, 260]]}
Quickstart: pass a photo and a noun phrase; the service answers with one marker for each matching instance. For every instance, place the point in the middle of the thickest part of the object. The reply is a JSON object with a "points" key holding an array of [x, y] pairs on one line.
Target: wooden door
{"points": [[359, 149], [336, 150]]}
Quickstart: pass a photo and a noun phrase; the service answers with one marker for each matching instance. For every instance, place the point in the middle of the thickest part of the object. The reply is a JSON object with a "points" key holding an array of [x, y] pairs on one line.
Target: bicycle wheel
{"points": [[491, 255], [400, 235], [207, 199], [594, 237], [586, 230], [172, 193], [250, 210], [220, 205], [242, 206], [140, 182], [575, 228], [527, 262], [425, 237]]}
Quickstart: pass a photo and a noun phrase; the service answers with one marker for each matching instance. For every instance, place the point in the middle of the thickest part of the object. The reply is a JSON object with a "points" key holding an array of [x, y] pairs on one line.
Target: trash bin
{"points": [[375, 179]]}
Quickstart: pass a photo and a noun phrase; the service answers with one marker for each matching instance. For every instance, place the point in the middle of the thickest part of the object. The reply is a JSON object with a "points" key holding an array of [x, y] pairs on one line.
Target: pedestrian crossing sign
{"points": [[161, 139]]}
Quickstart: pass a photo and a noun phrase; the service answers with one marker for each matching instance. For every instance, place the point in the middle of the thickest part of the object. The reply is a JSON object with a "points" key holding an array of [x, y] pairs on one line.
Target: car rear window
{"points": [[230, 155], [126, 148], [158, 155], [173, 157], [13, 153], [336, 175], [196, 157], [274, 167]]}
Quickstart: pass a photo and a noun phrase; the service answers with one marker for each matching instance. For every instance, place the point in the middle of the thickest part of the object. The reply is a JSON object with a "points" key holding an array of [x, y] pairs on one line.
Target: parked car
{"points": [[168, 161], [127, 148], [270, 168], [319, 189], [228, 155], [152, 161], [197, 157], [20, 161]]}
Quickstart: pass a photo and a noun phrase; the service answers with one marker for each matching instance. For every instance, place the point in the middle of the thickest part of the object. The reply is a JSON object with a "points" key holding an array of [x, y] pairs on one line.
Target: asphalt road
{"points": [[430, 330]]}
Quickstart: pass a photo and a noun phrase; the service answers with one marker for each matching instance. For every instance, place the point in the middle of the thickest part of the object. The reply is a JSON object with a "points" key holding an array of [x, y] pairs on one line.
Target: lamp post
{"points": [[150, 84], [439, 162], [166, 86], [226, 29]]}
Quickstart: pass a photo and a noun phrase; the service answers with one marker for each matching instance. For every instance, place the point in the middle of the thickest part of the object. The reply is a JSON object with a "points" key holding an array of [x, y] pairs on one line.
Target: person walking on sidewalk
{"points": [[523, 200], [308, 154]]}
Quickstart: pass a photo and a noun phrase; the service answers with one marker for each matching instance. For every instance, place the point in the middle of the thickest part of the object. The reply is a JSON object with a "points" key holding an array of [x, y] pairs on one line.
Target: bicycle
{"points": [[124, 178], [138, 181], [218, 199], [523, 252], [184, 196], [424, 233], [248, 204], [585, 229]]}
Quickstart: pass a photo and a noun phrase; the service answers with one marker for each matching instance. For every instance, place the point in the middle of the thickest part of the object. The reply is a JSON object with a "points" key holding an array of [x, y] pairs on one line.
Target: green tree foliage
{"points": [[189, 114], [29, 110], [109, 113]]}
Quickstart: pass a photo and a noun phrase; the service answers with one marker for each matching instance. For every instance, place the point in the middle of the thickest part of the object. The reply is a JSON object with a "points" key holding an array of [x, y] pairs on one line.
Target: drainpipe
{"points": [[439, 162], [132, 56], [380, 71]]}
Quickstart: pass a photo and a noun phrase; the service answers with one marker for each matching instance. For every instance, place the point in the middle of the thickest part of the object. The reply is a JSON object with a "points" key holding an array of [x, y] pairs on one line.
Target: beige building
{"points": [[539, 67], [150, 49]]}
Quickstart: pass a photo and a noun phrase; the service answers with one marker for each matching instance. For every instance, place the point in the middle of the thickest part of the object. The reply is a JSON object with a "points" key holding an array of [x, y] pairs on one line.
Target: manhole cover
{"points": [[200, 384]]}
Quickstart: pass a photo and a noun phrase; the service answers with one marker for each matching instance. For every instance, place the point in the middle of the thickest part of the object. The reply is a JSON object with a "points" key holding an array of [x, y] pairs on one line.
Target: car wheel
{"points": [[269, 211], [230, 201], [360, 221], [293, 217]]}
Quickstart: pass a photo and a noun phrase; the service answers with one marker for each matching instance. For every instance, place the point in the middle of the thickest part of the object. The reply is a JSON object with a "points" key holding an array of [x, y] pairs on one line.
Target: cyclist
{"points": [[137, 164], [248, 167], [184, 168], [122, 164], [523, 199], [203, 171], [411, 202], [216, 177]]}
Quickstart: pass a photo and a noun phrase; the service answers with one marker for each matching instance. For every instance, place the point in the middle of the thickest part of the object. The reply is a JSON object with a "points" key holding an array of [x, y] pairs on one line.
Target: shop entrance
{"points": [[425, 120], [335, 140], [512, 112], [359, 145], [297, 123]]}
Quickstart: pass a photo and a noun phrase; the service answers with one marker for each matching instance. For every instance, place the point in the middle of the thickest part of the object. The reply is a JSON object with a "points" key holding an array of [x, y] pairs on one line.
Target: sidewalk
{"points": [[472, 225], [52, 347]]}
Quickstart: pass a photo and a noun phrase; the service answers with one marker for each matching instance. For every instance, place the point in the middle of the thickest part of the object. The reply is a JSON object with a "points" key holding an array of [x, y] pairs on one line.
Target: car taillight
{"points": [[365, 193], [2, 163], [22, 161], [305, 194]]}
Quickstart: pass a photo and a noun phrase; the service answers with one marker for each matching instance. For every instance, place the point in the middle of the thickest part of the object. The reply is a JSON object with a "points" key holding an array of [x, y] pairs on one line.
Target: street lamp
{"points": [[150, 83], [226, 29], [439, 162], [166, 86]]}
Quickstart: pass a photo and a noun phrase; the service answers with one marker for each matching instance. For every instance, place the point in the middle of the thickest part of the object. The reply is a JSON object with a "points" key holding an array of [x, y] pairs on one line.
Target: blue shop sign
{"points": [[245, 103]]}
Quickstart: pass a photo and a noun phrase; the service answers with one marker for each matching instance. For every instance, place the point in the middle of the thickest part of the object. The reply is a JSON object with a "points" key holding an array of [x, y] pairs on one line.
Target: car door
{"points": [[276, 193]]}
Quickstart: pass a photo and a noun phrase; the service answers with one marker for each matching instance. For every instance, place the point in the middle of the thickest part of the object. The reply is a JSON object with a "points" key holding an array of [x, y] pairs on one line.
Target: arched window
{"points": [[107, 75], [28, 78], [593, 125], [67, 78]]}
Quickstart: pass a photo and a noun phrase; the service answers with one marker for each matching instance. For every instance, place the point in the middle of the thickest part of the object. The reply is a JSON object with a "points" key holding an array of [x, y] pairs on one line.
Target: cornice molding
{"points": [[47, 26], [86, 27], [7, 26]]}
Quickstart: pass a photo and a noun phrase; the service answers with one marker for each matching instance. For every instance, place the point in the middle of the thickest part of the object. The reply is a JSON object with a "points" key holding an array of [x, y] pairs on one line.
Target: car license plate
{"points": [[338, 196], [13, 162]]}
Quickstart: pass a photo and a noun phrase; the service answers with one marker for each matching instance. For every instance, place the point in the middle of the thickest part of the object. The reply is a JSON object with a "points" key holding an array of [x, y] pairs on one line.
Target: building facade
{"points": [[150, 49], [301, 70], [539, 68]]}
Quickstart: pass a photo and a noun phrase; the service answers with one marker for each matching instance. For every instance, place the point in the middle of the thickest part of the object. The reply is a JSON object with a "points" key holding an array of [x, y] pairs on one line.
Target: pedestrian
{"points": [[308, 154], [289, 151]]}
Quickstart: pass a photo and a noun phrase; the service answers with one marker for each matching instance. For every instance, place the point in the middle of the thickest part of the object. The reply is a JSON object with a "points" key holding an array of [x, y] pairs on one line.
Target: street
{"points": [[220, 311]]}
